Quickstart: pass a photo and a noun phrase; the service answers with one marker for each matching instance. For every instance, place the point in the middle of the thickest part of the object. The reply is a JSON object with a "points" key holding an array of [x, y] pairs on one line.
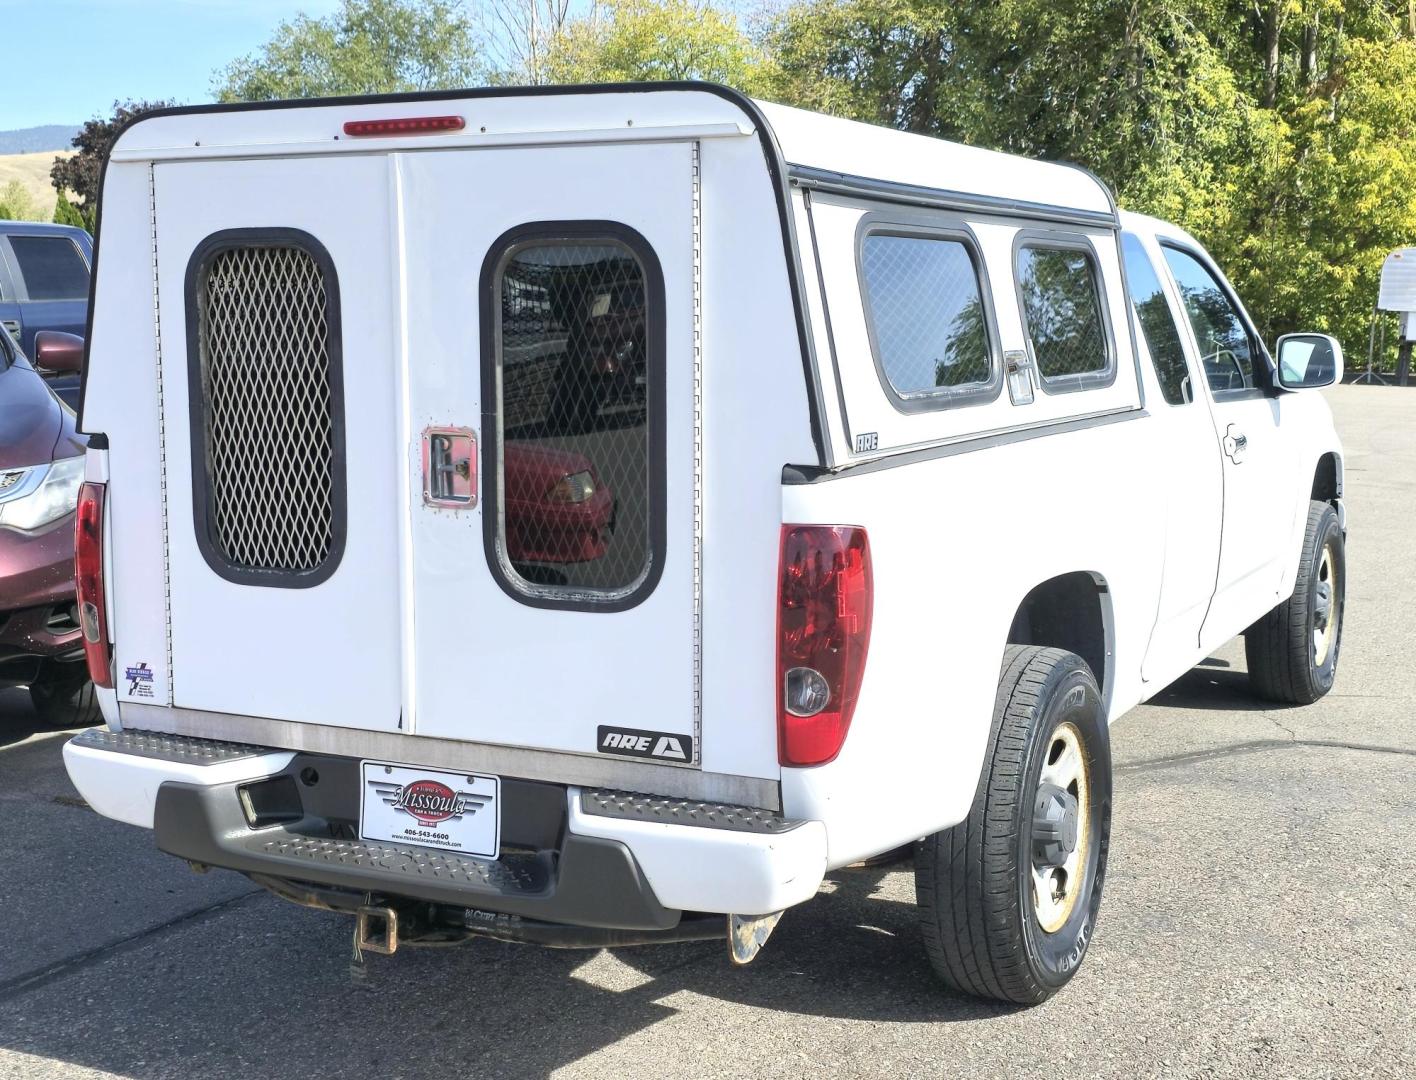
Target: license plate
{"points": [[431, 808]]}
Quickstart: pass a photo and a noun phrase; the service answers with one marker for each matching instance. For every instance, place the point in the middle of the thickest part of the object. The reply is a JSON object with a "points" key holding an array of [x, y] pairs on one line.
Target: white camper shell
{"points": [[596, 511]]}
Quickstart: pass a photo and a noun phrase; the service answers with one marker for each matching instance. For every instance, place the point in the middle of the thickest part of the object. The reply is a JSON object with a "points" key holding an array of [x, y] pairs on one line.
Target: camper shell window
{"points": [[573, 382], [928, 313], [265, 391], [1064, 311]]}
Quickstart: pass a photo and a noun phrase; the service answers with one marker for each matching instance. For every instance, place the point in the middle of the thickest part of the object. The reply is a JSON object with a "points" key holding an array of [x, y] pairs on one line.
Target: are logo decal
{"points": [[632, 742], [430, 802]]}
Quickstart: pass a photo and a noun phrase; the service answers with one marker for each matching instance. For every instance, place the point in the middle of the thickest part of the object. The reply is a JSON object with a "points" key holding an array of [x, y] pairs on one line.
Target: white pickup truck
{"points": [[591, 516]]}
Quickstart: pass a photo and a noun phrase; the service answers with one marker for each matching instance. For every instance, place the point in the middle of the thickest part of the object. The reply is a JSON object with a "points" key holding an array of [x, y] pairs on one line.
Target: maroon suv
{"points": [[41, 467]]}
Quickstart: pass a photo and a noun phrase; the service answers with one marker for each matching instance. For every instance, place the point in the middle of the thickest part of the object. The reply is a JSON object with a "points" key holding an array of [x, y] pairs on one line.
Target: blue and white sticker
{"points": [[139, 680]]}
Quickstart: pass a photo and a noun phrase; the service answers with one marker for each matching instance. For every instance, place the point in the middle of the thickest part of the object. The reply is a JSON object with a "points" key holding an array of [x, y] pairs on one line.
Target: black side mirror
{"points": [[55, 350], [1308, 360]]}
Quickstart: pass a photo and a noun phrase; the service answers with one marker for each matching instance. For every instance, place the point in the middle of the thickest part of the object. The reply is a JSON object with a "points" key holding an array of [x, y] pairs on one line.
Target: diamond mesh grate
{"points": [[574, 381], [265, 362], [1062, 308], [927, 312]]}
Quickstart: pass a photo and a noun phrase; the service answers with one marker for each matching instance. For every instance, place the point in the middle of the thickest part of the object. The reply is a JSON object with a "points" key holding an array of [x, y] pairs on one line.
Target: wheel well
{"points": [[1327, 479], [1066, 612]]}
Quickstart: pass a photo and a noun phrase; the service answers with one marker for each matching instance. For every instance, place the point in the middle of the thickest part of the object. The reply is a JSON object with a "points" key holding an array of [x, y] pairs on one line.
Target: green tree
{"points": [[66, 213], [82, 172], [366, 47], [17, 204], [651, 40]]}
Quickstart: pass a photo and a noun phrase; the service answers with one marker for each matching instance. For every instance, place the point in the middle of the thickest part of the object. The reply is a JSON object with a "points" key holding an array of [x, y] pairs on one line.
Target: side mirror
{"points": [[1308, 360], [55, 350]]}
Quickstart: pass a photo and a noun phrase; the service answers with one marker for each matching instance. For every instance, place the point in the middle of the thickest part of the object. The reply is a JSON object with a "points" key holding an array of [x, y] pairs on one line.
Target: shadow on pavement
{"points": [[266, 984]]}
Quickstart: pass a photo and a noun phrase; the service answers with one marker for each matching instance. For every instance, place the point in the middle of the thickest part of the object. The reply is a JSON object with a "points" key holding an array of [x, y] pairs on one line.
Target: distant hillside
{"points": [[37, 139], [32, 170]]}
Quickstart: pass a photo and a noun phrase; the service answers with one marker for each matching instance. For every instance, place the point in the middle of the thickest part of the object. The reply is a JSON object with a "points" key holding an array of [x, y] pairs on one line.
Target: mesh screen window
{"points": [[574, 394], [1062, 311], [927, 313], [265, 414]]}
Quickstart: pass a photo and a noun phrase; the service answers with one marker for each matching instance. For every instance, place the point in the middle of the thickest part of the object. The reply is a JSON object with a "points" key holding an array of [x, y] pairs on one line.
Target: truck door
{"points": [[1258, 521], [282, 487], [1187, 469], [550, 332]]}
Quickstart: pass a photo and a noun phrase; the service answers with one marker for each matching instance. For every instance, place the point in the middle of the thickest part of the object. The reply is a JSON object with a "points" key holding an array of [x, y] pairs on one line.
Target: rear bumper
{"points": [[573, 856]]}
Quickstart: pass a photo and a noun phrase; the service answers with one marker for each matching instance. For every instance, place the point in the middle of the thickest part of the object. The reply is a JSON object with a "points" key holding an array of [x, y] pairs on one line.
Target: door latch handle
{"points": [[1235, 443], [450, 467]]}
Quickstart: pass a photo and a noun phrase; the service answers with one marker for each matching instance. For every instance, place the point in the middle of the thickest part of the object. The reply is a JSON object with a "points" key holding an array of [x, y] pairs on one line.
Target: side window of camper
{"points": [[574, 371], [1059, 290], [1156, 323], [929, 324], [266, 393]]}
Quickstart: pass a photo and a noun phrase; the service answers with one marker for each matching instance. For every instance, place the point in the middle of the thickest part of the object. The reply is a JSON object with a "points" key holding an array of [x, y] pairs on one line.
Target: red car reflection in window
{"points": [[557, 509]]}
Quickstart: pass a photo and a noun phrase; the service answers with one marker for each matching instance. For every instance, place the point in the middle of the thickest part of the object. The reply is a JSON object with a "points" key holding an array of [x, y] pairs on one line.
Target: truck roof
{"points": [[811, 145]]}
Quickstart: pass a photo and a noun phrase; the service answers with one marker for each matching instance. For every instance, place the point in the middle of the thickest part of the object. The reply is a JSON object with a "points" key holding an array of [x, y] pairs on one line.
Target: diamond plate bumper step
{"points": [[627, 804], [180, 748]]}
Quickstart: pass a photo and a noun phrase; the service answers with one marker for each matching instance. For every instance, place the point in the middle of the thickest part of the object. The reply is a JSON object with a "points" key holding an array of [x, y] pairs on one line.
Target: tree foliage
{"points": [[653, 40], [366, 47], [66, 213], [1282, 133], [82, 172]]}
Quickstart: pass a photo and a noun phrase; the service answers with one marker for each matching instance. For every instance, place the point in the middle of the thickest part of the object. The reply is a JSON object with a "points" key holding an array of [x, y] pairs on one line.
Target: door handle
{"points": [[450, 467], [1235, 443]]}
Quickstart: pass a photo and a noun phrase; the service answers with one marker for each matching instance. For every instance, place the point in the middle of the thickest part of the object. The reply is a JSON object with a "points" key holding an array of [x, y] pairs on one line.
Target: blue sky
{"points": [[64, 61]]}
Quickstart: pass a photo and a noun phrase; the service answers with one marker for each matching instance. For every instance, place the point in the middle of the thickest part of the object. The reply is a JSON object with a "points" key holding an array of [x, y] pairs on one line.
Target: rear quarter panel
{"points": [[956, 543]]}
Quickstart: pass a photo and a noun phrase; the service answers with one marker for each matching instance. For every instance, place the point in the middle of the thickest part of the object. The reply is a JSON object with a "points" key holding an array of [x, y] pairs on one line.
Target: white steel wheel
{"points": [[1061, 824]]}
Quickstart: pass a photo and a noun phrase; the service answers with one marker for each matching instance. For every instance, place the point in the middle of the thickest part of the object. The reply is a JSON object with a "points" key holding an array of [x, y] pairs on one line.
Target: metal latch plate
{"points": [[450, 467]]}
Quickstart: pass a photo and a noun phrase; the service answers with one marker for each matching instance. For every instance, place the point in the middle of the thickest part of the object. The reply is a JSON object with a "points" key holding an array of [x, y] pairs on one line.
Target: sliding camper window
{"points": [[930, 324], [266, 403], [1064, 312], [573, 373]]}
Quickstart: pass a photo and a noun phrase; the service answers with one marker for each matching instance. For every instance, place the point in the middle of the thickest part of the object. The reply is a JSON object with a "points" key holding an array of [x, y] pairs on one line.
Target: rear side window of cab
{"points": [[929, 314]]}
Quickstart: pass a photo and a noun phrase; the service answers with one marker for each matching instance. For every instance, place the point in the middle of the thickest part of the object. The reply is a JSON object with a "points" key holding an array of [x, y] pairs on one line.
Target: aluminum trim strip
{"points": [[584, 770]]}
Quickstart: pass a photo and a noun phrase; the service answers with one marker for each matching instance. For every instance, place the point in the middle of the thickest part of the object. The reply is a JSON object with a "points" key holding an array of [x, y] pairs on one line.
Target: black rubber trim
{"points": [[1052, 240], [953, 230], [521, 236], [798, 475], [215, 244], [587, 881], [776, 168]]}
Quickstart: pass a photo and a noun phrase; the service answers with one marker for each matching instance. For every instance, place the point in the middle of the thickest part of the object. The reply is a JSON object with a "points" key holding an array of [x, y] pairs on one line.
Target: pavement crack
{"points": [[1255, 747], [1292, 735], [32, 980]]}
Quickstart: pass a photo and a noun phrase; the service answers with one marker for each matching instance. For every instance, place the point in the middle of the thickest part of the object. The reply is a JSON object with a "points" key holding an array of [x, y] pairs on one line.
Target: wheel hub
{"points": [[1054, 825], [1060, 820]]}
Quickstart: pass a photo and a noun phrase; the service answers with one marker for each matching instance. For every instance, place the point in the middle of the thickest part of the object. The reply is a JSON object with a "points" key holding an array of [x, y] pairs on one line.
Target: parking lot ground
{"points": [[1259, 919]]}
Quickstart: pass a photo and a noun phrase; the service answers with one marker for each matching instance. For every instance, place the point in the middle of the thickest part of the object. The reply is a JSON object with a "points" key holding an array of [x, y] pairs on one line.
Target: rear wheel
{"points": [[64, 696], [1292, 651], [1009, 896]]}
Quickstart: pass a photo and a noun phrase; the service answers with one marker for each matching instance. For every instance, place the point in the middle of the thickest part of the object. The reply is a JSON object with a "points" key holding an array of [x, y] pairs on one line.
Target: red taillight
{"points": [[823, 631], [88, 574], [405, 125]]}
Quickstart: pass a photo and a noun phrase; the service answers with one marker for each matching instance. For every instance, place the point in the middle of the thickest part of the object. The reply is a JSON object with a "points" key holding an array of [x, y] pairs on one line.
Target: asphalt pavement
{"points": [[1259, 918]]}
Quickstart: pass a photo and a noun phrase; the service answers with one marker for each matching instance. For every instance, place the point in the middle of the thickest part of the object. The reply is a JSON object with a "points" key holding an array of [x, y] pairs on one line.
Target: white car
{"points": [[592, 516]]}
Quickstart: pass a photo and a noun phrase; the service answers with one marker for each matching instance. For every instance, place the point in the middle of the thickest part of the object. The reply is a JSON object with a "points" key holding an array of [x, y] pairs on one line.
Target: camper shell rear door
{"points": [[550, 332]]}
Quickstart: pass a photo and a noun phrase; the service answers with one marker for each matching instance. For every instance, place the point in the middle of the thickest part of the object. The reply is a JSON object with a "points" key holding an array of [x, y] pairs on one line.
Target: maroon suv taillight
{"points": [[88, 574], [823, 631]]}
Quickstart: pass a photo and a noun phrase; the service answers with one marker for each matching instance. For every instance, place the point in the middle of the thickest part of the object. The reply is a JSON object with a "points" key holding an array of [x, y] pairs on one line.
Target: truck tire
{"points": [[1008, 897], [64, 696], [1292, 651]]}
